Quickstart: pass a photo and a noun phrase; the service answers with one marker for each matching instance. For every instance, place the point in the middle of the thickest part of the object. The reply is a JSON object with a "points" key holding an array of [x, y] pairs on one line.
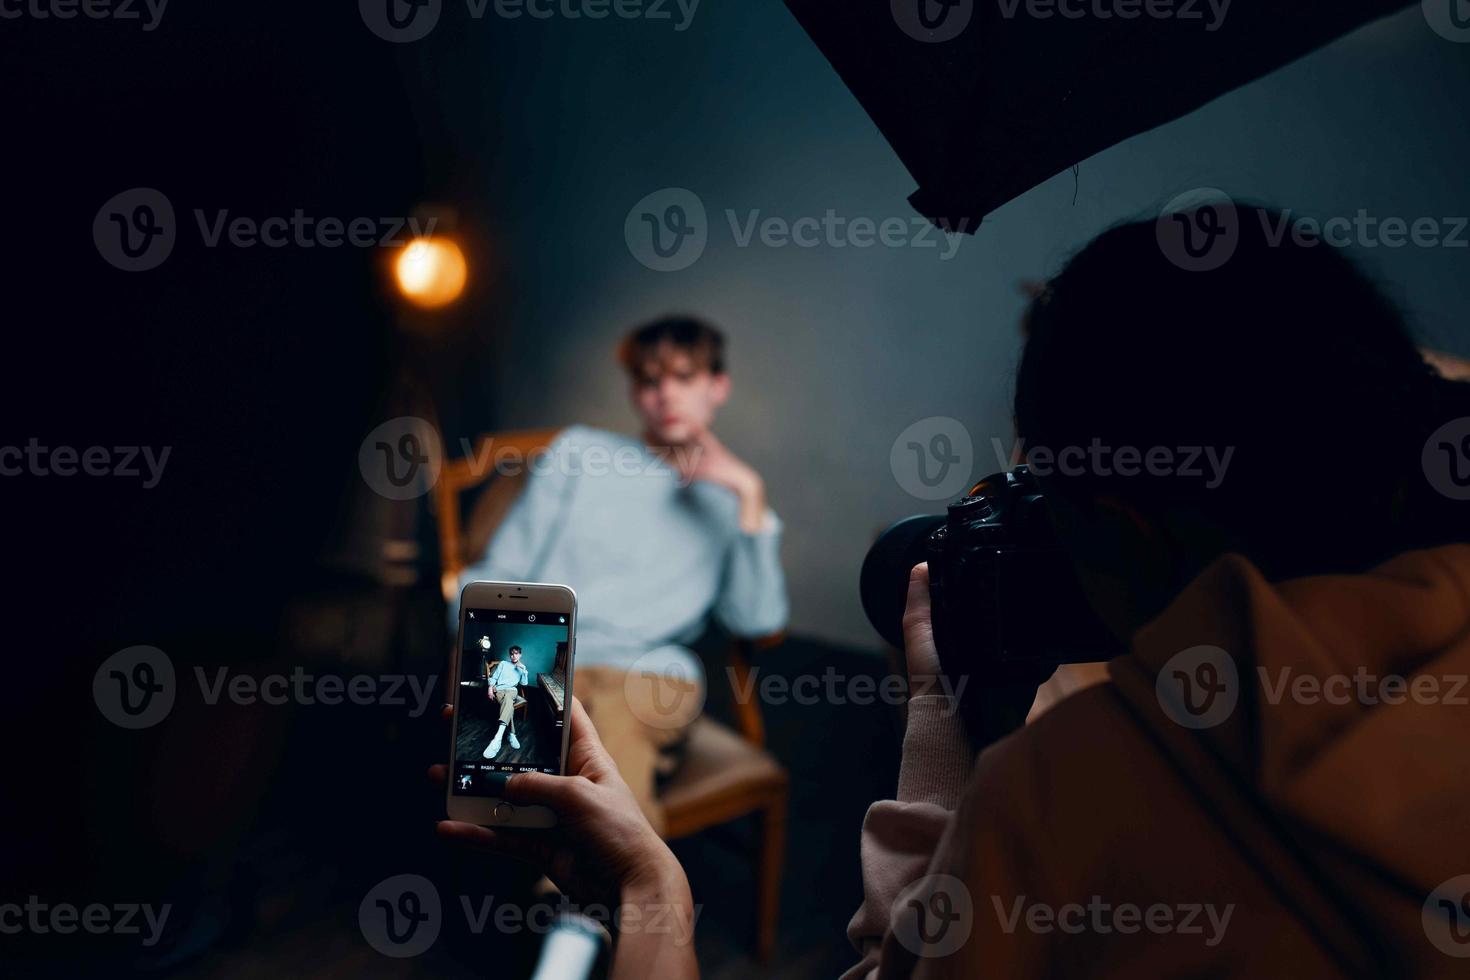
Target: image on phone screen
{"points": [[513, 696]]}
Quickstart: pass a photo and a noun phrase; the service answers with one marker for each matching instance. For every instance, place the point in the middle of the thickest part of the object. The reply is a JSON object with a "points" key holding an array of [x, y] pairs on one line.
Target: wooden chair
{"points": [[727, 773]]}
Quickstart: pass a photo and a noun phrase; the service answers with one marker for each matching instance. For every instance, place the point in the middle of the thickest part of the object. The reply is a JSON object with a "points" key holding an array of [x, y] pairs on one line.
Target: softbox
{"points": [[984, 99]]}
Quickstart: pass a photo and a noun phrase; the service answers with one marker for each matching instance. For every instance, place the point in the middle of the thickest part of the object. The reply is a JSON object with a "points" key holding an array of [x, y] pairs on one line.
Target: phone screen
{"points": [[513, 696]]}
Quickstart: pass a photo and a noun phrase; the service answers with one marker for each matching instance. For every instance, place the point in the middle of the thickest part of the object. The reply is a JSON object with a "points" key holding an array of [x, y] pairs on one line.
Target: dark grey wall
{"points": [[537, 643], [837, 350]]}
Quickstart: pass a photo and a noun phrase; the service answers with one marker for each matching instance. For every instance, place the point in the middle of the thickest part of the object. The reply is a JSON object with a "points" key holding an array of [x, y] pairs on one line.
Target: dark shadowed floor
{"points": [[535, 729]]}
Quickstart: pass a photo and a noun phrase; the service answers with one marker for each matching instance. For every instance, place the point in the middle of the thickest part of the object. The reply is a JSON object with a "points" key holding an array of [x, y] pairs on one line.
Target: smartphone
{"points": [[512, 689]]}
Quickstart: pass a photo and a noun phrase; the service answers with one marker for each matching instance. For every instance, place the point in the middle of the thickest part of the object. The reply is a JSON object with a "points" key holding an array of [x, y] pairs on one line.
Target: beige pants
{"points": [[506, 698], [636, 716]]}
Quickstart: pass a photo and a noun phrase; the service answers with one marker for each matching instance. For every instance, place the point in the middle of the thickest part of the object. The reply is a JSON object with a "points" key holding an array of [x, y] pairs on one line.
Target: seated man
{"points": [[503, 679], [655, 533]]}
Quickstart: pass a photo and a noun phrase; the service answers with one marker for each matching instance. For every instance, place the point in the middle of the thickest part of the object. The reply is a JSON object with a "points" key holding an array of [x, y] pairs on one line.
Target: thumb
{"points": [[561, 793], [918, 628]]}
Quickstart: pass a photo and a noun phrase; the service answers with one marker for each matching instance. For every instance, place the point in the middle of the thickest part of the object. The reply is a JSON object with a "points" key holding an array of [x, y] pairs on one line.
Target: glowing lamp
{"points": [[431, 272]]}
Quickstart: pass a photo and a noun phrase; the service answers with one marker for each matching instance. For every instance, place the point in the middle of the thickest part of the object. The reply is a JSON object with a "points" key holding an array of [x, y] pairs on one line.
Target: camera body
{"points": [[1007, 605], [1006, 597]]}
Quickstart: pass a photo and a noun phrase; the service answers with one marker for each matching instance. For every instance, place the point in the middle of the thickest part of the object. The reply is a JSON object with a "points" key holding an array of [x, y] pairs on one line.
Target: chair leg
{"points": [[768, 884]]}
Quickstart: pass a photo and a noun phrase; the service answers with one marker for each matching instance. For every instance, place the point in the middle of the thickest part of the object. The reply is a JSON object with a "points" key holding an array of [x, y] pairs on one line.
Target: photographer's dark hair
{"points": [[514, 649], [1286, 354]]}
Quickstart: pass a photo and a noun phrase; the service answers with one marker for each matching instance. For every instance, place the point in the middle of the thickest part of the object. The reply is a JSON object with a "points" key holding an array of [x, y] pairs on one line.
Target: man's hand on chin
{"points": [[712, 461]]}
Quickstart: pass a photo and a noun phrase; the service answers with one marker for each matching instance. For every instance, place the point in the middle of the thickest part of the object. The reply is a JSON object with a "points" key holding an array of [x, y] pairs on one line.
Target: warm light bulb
{"points": [[431, 272]]}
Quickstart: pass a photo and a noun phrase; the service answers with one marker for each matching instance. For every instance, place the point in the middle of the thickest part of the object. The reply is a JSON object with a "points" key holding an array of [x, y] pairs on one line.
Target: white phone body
{"points": [[492, 617]]}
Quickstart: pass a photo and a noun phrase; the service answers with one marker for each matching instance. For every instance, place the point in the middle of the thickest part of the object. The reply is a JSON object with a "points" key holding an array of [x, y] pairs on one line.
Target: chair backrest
{"points": [[463, 541]]}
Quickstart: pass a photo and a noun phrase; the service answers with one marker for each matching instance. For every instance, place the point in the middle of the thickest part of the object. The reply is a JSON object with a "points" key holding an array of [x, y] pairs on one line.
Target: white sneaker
{"points": [[494, 745], [515, 743]]}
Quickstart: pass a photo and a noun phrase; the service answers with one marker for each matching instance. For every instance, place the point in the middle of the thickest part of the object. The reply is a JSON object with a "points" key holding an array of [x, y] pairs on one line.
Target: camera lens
{"points": [[883, 582]]}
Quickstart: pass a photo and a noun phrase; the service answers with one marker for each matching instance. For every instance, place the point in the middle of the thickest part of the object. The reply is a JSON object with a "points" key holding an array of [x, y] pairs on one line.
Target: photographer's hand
{"points": [[936, 753], [602, 851], [918, 638], [1002, 706], [901, 835]]}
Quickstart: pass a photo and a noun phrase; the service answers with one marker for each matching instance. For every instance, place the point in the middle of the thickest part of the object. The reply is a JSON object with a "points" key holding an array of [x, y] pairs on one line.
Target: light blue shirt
{"points": [[650, 559], [507, 674]]}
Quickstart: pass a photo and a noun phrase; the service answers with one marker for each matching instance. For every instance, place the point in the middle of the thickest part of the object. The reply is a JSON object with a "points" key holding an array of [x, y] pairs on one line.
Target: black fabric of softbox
{"points": [[1016, 96]]}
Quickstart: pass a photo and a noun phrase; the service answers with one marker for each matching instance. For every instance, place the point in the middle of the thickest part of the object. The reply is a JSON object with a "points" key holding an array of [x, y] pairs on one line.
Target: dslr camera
{"points": [[1007, 605]]}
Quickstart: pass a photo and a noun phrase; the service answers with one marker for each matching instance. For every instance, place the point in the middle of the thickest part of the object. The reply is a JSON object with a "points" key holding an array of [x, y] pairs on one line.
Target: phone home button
{"points": [[504, 811]]}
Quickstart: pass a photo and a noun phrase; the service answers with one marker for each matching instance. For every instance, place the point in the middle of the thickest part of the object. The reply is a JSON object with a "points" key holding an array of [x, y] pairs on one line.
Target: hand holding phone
{"points": [[517, 642], [603, 850]]}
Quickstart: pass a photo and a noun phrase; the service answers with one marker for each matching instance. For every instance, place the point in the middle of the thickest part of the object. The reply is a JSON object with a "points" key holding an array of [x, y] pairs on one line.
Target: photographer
{"points": [[1204, 811], [1243, 827]]}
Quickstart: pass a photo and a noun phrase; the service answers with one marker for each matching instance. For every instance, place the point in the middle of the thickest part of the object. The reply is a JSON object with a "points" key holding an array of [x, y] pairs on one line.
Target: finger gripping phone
{"points": [[512, 690]]}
